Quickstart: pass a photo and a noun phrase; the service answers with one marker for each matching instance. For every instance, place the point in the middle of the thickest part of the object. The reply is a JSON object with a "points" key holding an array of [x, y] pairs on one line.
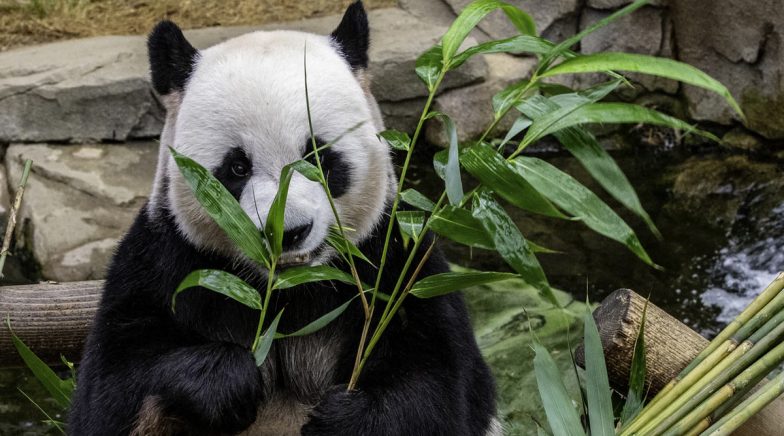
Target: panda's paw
{"points": [[340, 412]]}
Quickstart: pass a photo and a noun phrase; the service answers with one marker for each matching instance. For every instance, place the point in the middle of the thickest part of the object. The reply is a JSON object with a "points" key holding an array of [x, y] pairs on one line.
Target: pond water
{"points": [[721, 215]]}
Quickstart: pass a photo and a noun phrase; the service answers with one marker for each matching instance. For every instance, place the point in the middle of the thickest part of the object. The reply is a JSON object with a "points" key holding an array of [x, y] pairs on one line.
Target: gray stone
{"points": [[79, 201], [98, 88], [614, 4], [402, 115], [555, 19], [740, 43], [471, 107], [431, 11], [646, 31]]}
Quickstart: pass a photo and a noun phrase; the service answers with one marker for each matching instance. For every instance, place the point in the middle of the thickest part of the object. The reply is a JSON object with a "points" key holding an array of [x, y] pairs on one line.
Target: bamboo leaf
{"points": [[451, 170], [593, 157], [429, 66], [223, 208], [472, 14], [395, 139], [411, 223], [576, 199], [223, 283], [265, 342], [319, 323], [484, 163], [510, 243], [520, 124], [274, 225], [662, 67], [445, 283], [299, 275], [637, 374], [307, 169], [344, 246], [460, 226], [561, 414], [417, 199], [599, 400], [620, 113], [60, 390], [542, 124], [516, 45], [559, 49], [508, 97]]}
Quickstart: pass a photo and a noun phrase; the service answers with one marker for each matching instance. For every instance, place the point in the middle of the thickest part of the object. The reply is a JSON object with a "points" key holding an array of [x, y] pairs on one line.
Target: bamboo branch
{"points": [[9, 228]]}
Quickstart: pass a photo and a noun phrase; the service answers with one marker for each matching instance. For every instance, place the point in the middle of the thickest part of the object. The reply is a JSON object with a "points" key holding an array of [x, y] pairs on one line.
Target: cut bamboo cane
{"points": [[768, 336], [766, 305], [701, 409], [745, 410], [671, 345]]}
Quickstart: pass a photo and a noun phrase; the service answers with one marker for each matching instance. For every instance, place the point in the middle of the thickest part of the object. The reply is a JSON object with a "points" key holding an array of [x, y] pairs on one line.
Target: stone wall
{"points": [[85, 112]]}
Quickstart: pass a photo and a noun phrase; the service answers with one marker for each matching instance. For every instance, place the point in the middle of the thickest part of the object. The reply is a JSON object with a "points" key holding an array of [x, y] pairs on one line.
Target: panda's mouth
{"points": [[288, 260]]}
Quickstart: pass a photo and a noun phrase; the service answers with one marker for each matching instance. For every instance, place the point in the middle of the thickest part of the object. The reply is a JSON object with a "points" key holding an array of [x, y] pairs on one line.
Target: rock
{"points": [[741, 139], [471, 107], [740, 43], [431, 11], [718, 191], [402, 115], [98, 88], [555, 19], [646, 31], [79, 201], [614, 4]]}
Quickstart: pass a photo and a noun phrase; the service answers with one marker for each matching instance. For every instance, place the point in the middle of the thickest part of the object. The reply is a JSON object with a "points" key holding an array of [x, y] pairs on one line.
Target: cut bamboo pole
{"points": [[52, 319], [756, 314], [741, 414], [671, 346]]}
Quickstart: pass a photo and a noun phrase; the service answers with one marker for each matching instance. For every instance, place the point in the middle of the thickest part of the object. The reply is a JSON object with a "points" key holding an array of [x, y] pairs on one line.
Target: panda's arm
{"points": [[425, 377], [139, 363]]}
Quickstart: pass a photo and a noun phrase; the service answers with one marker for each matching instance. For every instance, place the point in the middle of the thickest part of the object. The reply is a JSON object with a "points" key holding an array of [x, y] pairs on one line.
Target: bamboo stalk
{"points": [[700, 407], [745, 410], [768, 303], [9, 228]]}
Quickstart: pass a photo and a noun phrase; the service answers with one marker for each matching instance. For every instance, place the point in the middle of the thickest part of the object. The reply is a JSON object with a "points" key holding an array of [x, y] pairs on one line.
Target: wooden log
{"points": [[670, 346], [51, 318]]}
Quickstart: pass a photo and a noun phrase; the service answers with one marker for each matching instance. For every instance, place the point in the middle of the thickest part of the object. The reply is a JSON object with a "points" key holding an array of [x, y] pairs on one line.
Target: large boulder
{"points": [[741, 43], [555, 19], [80, 199], [98, 88]]}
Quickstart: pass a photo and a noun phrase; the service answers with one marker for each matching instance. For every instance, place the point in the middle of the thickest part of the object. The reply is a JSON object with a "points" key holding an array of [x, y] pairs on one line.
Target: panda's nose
{"points": [[294, 236]]}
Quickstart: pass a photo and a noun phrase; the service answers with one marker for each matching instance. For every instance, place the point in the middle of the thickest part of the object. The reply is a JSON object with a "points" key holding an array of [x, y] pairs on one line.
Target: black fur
{"points": [[337, 170], [227, 175], [171, 58], [353, 36], [425, 377]]}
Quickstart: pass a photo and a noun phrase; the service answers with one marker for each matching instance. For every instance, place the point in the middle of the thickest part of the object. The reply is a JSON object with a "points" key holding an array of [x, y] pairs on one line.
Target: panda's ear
{"points": [[353, 36], [171, 58]]}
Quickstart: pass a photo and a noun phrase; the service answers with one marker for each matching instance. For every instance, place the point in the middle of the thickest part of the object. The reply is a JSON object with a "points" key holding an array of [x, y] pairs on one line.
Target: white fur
{"points": [[249, 92]]}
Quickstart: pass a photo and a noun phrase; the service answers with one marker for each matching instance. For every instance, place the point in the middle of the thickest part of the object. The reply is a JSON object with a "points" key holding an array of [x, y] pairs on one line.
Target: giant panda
{"points": [[238, 108]]}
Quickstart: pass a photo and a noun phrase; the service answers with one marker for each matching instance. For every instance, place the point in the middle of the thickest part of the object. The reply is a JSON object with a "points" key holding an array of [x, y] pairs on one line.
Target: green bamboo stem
{"points": [[748, 408], [703, 404], [735, 332]]}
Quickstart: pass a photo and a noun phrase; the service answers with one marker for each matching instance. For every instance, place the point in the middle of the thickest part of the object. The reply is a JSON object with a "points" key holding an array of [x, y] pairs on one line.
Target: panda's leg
{"points": [[425, 377]]}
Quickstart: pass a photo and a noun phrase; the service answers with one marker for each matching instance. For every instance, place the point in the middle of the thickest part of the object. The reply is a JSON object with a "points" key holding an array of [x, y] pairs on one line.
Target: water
{"points": [[721, 215]]}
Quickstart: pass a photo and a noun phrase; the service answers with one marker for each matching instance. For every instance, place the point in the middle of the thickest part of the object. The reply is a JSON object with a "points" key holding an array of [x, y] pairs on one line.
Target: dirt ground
{"points": [[25, 22]]}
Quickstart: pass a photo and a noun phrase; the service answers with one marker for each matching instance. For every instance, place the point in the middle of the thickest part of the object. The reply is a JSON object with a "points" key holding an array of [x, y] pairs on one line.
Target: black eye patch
{"points": [[234, 171], [337, 171]]}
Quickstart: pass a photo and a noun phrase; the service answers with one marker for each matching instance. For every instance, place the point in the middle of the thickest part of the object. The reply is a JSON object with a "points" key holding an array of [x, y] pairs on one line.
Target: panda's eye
{"points": [[239, 169]]}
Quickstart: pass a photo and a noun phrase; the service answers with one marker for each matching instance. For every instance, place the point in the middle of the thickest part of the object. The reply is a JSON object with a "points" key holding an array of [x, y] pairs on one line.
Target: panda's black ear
{"points": [[353, 36], [171, 58]]}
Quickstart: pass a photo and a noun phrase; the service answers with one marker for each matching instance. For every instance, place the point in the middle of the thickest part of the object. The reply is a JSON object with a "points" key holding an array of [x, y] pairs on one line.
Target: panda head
{"points": [[239, 109]]}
